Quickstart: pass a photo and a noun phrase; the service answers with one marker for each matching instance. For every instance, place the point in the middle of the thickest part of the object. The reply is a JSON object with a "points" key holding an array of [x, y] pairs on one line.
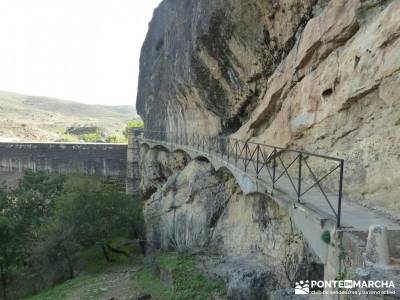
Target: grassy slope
{"points": [[129, 281], [65, 107], [35, 118]]}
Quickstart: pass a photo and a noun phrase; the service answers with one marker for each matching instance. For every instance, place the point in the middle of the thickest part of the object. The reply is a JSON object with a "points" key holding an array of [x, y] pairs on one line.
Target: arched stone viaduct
{"points": [[308, 221], [312, 219]]}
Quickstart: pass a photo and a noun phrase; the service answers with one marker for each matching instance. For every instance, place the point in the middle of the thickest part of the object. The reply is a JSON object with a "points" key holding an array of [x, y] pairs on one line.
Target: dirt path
{"points": [[115, 283]]}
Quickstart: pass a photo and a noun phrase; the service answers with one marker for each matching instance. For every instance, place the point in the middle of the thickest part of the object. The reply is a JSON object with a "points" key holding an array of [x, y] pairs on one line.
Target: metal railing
{"points": [[271, 164]]}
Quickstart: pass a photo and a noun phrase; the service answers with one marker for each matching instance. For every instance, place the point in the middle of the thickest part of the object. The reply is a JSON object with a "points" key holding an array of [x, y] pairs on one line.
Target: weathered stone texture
{"points": [[322, 76], [204, 63], [343, 99], [156, 166], [197, 209], [132, 163]]}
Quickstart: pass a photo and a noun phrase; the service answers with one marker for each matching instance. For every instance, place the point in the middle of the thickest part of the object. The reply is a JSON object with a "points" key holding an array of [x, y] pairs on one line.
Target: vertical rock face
{"points": [[322, 76], [204, 64], [199, 209], [338, 93]]}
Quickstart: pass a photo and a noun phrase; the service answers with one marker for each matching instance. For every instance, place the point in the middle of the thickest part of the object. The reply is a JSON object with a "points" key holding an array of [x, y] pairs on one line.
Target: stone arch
{"points": [[223, 170], [181, 151], [161, 147], [203, 158], [247, 184], [250, 185], [146, 147]]}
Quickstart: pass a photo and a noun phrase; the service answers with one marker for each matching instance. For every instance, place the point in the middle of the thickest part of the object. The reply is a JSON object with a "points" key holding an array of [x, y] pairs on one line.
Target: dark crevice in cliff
{"points": [[272, 57], [215, 43], [210, 88], [214, 58]]}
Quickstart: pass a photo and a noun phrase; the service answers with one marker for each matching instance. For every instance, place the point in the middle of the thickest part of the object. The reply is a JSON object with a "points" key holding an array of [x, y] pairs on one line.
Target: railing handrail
{"points": [[241, 151], [293, 150], [338, 159]]}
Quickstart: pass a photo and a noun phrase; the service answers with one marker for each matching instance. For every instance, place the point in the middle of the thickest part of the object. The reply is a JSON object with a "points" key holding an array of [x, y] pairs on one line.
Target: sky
{"points": [[81, 50]]}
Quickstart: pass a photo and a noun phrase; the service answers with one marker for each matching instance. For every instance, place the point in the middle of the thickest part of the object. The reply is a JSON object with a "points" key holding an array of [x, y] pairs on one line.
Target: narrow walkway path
{"points": [[354, 216]]}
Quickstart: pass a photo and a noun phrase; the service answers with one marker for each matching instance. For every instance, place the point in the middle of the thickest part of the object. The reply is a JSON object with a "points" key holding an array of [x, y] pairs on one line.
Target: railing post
{"points": [[274, 170], [213, 146], [257, 157], [245, 156], [236, 152], [340, 192], [227, 145], [299, 183], [220, 146]]}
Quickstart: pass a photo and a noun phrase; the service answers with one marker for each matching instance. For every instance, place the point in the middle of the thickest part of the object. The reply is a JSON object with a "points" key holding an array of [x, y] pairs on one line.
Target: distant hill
{"points": [[33, 118]]}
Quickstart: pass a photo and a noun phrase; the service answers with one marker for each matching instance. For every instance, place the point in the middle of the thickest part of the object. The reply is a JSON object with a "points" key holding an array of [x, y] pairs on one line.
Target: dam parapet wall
{"points": [[92, 159]]}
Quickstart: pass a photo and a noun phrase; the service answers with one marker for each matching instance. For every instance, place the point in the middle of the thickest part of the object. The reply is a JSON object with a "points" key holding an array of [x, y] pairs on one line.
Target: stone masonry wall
{"points": [[58, 158]]}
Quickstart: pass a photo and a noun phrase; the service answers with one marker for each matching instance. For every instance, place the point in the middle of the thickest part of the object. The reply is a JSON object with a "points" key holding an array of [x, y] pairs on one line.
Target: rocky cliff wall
{"points": [[322, 76], [338, 92], [247, 240], [205, 63]]}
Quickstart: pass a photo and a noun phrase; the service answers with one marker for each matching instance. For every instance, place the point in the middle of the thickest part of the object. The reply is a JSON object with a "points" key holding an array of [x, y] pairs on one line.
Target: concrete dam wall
{"points": [[63, 158]]}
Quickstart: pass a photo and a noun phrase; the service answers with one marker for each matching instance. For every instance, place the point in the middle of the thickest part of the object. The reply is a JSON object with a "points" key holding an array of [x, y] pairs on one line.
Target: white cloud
{"points": [[83, 50]]}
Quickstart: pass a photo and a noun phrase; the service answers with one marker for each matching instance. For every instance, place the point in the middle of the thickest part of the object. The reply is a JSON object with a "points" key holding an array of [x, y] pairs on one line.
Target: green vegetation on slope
{"points": [[110, 280], [62, 291], [136, 278], [186, 280], [53, 227], [135, 124], [97, 137], [76, 237]]}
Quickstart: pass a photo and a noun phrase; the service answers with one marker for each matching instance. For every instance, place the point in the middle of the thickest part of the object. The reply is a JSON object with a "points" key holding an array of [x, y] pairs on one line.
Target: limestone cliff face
{"points": [[248, 240], [323, 76], [338, 92], [207, 62]]}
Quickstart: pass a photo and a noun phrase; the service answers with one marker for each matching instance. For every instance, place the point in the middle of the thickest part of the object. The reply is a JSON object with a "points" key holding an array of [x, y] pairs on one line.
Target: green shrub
{"points": [[135, 124], [69, 138], [49, 224], [89, 213], [92, 138], [22, 212], [189, 281], [117, 139], [326, 237]]}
